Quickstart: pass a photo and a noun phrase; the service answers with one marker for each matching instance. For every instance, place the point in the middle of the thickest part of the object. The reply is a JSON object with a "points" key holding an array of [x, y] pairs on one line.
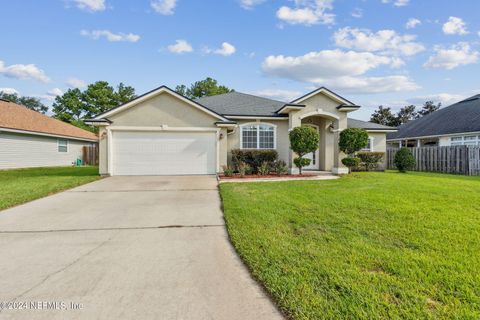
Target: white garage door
{"points": [[163, 153]]}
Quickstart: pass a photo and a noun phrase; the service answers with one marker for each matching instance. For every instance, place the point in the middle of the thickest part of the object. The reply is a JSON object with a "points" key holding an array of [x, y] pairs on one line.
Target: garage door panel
{"points": [[164, 153]]}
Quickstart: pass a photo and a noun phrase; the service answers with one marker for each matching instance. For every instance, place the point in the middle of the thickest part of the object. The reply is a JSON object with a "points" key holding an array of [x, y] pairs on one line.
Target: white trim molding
{"points": [[257, 125], [256, 118], [435, 136], [326, 92], [319, 112]]}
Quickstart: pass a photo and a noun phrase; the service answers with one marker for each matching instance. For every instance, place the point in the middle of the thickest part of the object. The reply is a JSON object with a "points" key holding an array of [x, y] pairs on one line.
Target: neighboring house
{"points": [[165, 133], [31, 139], [458, 124]]}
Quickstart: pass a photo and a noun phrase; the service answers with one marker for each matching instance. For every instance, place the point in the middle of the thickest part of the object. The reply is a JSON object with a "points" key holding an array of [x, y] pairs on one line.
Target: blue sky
{"points": [[390, 52]]}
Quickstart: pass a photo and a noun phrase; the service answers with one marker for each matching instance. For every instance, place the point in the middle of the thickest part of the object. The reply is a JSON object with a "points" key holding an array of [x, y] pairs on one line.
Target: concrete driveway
{"points": [[126, 248]]}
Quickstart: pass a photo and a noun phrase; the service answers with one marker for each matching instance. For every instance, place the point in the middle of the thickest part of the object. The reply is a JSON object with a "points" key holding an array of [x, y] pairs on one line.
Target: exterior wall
{"points": [[28, 151], [379, 144], [444, 141], [163, 109], [283, 142]]}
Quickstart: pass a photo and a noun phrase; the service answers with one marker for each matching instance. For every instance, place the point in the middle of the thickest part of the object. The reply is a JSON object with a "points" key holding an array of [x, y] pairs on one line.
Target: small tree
{"points": [[351, 141], [404, 160], [303, 140]]}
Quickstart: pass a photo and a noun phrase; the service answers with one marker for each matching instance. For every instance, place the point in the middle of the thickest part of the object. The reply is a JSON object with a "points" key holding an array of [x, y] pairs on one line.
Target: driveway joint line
{"points": [[117, 229], [146, 190]]}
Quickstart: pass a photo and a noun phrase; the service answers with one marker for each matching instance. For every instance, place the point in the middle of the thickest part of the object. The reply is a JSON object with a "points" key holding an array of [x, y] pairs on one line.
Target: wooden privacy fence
{"points": [[90, 155], [456, 159]]}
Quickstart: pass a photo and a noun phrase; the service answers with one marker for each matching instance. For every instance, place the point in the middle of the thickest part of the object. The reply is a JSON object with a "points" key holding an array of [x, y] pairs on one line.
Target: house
{"points": [[31, 139], [458, 124], [165, 133]]}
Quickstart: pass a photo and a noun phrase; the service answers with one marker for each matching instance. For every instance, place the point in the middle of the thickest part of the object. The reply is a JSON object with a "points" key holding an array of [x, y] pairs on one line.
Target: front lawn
{"points": [[366, 246], [23, 185]]}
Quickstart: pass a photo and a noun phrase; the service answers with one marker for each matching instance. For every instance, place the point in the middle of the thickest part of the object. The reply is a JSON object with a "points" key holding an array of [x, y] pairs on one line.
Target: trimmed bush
{"points": [[227, 171], [352, 140], [404, 160], [280, 167], [243, 169], [303, 140], [254, 158], [370, 160], [351, 162]]}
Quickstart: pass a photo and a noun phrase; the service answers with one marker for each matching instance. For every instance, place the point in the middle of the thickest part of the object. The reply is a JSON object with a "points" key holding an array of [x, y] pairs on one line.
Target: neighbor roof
{"points": [[242, 104], [354, 123], [17, 117], [461, 117]]}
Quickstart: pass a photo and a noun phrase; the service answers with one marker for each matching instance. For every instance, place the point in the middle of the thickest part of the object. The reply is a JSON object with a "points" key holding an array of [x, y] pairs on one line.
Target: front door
{"points": [[314, 156]]}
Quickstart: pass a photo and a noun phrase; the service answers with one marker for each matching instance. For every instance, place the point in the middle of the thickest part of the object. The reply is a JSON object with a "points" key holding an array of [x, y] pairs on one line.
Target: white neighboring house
{"points": [[455, 125], [31, 139]]}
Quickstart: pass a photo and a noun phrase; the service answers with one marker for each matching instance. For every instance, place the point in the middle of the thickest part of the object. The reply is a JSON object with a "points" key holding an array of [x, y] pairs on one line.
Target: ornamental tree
{"points": [[303, 140], [353, 140]]}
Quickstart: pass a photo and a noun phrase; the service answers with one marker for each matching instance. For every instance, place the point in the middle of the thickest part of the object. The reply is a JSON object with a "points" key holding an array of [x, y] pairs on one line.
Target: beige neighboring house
{"points": [[31, 139], [165, 133]]}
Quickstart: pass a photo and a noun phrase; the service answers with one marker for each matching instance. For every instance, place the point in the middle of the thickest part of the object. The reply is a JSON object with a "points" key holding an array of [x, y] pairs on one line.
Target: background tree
{"points": [[384, 115], [429, 107], [202, 88], [29, 102], [74, 106], [406, 114], [303, 140]]}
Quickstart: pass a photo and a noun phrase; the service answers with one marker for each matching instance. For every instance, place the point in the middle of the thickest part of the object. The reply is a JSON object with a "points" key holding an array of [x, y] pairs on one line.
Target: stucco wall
{"points": [[283, 143], [28, 151], [379, 144]]}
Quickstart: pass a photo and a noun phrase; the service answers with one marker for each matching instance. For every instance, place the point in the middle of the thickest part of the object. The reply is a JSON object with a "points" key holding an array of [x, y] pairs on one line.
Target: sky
{"points": [[372, 52]]}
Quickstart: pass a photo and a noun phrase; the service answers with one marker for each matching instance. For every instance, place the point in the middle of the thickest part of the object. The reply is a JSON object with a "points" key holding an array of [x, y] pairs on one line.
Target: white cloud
{"points": [[339, 69], [278, 94], [91, 5], [459, 54], [445, 99], [76, 83], [249, 4], [23, 72], [455, 25], [308, 12], [51, 94], [227, 49], [180, 46], [357, 13], [412, 23], [397, 3], [164, 7], [384, 41], [110, 36], [9, 91]]}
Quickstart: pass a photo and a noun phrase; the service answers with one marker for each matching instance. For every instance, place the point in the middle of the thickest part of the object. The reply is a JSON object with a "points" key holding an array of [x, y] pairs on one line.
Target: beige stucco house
{"points": [[165, 133]]}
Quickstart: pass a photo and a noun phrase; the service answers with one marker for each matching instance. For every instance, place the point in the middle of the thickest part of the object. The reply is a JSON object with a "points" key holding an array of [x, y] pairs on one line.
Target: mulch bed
{"points": [[270, 176]]}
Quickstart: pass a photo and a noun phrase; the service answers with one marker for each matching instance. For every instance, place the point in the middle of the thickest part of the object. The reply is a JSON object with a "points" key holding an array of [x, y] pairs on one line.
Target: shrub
{"points": [[228, 171], [352, 140], [244, 168], [254, 158], [264, 169], [404, 160], [370, 160], [303, 140], [351, 162], [280, 167]]}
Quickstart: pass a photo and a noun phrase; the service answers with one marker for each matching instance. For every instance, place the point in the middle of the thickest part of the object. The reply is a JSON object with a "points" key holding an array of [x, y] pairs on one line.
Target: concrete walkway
{"points": [[126, 248]]}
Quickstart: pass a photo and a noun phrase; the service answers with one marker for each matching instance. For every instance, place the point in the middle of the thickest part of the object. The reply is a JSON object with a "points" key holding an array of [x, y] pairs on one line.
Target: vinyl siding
{"points": [[26, 151]]}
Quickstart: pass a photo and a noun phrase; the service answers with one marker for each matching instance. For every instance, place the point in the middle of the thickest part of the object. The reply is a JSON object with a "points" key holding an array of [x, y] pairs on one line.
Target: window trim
{"points": [[58, 145], [258, 124], [370, 140], [461, 141]]}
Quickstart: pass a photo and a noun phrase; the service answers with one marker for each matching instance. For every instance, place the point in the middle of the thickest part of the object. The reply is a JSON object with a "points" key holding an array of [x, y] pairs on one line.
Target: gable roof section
{"points": [[461, 117], [154, 93], [242, 104], [328, 93], [369, 126], [19, 118]]}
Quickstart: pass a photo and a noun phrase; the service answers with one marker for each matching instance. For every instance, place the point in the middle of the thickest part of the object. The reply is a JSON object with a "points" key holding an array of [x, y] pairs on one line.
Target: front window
{"points": [[62, 145], [465, 140], [369, 145], [258, 136]]}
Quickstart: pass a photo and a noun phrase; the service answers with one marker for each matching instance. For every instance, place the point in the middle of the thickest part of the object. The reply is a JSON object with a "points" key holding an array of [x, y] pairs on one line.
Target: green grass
{"points": [[366, 246], [23, 185]]}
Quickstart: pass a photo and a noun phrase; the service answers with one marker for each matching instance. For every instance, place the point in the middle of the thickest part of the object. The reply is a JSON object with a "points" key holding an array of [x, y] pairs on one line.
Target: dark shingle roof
{"points": [[460, 117], [241, 104], [354, 123]]}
